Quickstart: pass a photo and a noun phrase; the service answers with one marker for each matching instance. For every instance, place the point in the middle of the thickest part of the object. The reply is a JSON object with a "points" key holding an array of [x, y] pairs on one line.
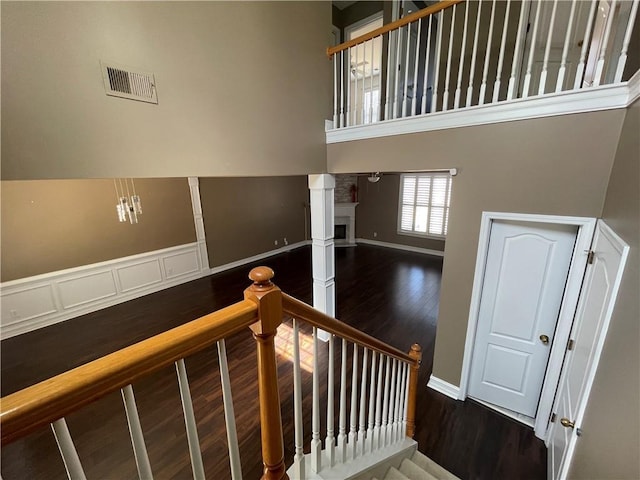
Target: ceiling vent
{"points": [[124, 82]]}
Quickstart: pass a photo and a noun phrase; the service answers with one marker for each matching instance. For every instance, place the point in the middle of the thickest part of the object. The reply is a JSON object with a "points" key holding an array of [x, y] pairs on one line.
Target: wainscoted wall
{"points": [[52, 225], [41, 300], [377, 215], [248, 217]]}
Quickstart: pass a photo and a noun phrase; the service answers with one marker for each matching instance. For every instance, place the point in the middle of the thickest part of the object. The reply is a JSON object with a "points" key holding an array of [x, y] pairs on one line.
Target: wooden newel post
{"points": [[416, 354], [269, 300]]}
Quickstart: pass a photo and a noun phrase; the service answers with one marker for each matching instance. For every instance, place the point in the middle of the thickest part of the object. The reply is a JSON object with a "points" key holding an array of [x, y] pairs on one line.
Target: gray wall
{"points": [[377, 213], [243, 88], [50, 225], [611, 441], [246, 216], [557, 165]]}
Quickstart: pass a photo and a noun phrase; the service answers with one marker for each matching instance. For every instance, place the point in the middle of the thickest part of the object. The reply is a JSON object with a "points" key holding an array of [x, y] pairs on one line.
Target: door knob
{"points": [[565, 422], [544, 339]]}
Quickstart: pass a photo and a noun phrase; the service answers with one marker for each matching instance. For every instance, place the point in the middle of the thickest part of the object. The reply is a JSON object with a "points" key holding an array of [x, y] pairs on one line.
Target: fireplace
{"points": [[345, 224]]}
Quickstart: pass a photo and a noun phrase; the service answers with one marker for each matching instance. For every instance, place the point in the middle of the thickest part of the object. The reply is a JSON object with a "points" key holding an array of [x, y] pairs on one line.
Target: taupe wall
{"points": [[243, 89], [611, 441], [50, 225], [558, 165], [378, 213], [245, 216]]}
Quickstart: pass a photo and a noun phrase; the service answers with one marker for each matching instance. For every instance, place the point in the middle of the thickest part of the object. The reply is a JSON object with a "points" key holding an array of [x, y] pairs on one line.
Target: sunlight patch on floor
{"points": [[284, 346]]}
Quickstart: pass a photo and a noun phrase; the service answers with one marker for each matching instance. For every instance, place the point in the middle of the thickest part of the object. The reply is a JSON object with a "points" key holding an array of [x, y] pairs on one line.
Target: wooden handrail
{"points": [[425, 12], [33, 407], [301, 311]]}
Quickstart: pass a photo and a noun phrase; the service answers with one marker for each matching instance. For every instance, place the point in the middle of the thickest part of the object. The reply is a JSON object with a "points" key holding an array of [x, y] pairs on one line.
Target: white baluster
{"points": [[372, 389], [605, 42], [229, 413], [349, 102], [401, 400], [585, 44], [364, 78], [487, 56], [385, 404], [342, 428], [547, 50], [298, 459], [316, 444], [426, 68], [434, 93], [397, 74], [335, 91], [329, 443], [371, 109], [473, 56], [342, 72], [625, 43], [565, 49], [190, 419], [496, 85], [353, 434], [456, 98], [397, 416], [388, 101], [363, 404], [511, 90], [355, 87], [67, 450], [377, 425], [135, 430], [532, 48], [414, 99], [392, 397], [445, 96], [406, 72], [406, 400]]}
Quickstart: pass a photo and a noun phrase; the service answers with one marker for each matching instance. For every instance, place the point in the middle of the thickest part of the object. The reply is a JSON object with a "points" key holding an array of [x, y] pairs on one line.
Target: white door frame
{"points": [[586, 227]]}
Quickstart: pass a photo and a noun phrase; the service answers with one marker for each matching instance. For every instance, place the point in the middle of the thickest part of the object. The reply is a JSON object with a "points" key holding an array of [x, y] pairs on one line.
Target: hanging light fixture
{"points": [[374, 177], [128, 204]]}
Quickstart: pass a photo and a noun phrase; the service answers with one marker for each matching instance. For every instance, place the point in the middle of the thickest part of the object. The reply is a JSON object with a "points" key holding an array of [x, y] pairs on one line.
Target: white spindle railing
{"points": [[298, 459], [541, 39], [67, 450], [190, 419], [229, 415], [135, 430]]}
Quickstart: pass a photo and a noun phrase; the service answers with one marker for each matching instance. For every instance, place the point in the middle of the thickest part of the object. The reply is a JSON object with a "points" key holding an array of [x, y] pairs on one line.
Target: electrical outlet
{"points": [[276, 243], [285, 241], [375, 234]]}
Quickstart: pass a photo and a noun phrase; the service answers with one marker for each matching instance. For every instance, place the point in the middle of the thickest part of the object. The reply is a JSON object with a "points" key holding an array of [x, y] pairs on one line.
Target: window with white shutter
{"points": [[424, 204]]}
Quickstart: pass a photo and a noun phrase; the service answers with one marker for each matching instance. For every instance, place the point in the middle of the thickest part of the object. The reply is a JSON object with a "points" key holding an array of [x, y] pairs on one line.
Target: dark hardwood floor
{"points": [[390, 294]]}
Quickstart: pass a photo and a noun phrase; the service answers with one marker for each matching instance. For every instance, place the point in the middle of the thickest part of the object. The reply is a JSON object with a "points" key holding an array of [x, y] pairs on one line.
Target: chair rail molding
{"points": [[35, 302]]}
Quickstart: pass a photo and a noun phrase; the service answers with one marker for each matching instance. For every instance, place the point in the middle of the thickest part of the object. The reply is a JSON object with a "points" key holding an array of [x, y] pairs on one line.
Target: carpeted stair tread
{"points": [[395, 474], [414, 472], [425, 463]]}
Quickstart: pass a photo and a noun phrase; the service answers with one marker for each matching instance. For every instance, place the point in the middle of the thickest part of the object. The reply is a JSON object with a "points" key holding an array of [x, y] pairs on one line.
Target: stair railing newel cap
{"points": [[416, 353], [269, 299]]}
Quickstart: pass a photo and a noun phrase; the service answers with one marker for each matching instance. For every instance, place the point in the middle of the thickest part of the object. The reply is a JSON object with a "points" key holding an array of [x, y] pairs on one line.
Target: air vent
{"points": [[124, 82]]}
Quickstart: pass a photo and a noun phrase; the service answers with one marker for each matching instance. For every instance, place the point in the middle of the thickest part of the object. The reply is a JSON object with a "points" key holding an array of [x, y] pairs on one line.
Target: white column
{"points": [[321, 189], [196, 205]]}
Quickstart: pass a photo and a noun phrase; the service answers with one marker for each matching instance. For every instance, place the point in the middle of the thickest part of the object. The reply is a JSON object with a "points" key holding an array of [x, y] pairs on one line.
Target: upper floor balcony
{"points": [[460, 63]]}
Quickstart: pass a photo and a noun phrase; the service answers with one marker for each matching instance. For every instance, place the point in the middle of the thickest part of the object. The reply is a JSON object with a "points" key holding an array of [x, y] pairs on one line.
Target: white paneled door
{"points": [[526, 272], [596, 303]]}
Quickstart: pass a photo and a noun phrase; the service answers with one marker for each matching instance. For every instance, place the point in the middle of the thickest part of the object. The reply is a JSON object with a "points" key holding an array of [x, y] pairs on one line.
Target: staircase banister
{"points": [[301, 311], [33, 407], [425, 12]]}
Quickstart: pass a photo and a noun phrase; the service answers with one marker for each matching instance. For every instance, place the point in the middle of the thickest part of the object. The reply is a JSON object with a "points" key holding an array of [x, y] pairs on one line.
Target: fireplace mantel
{"points": [[345, 214]]}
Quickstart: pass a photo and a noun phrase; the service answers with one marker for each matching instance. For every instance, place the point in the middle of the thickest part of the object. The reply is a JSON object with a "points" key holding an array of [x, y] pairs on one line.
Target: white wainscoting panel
{"points": [[35, 302], [88, 288]]}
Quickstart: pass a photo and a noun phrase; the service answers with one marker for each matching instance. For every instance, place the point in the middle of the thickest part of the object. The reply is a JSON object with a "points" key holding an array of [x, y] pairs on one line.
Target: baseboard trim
{"points": [[397, 246], [42, 300], [257, 258], [444, 387]]}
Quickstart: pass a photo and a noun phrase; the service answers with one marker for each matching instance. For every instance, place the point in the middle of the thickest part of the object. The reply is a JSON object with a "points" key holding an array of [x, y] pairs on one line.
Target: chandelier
{"points": [[129, 205]]}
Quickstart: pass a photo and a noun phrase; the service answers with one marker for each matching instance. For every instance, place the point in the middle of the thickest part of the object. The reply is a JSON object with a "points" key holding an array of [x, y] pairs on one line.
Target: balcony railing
{"points": [[455, 55]]}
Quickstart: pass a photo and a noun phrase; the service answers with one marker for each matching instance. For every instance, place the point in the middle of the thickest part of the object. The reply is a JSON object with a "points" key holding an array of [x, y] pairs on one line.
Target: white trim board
{"points": [[607, 97], [444, 387], [397, 246], [260, 256], [35, 302], [586, 227]]}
